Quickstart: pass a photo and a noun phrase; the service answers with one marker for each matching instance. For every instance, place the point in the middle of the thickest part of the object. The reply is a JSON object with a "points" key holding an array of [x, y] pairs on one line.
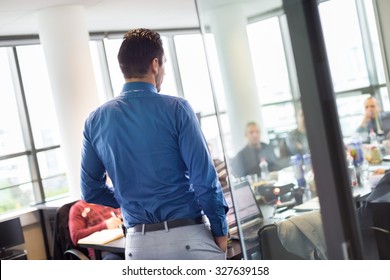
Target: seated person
{"points": [[296, 140], [247, 161], [371, 120], [87, 218]]}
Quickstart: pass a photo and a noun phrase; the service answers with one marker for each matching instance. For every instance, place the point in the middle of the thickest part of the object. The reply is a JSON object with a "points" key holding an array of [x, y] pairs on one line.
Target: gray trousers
{"points": [[183, 243]]}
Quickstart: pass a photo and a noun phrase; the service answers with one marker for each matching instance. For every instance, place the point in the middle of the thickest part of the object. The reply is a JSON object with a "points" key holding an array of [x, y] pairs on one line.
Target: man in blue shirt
{"points": [[153, 149]]}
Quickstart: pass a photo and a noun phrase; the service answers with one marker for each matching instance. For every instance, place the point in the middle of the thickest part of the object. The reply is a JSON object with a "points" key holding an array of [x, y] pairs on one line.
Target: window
{"points": [[197, 90], [21, 148], [187, 74], [112, 48], [344, 44], [374, 40], [283, 121], [354, 57], [194, 73], [269, 61], [350, 108], [169, 86], [43, 122], [16, 191], [100, 70], [38, 94], [52, 170], [11, 137]]}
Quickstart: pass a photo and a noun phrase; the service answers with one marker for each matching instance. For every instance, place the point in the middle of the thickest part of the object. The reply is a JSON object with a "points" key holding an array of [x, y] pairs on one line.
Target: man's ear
{"points": [[155, 65]]}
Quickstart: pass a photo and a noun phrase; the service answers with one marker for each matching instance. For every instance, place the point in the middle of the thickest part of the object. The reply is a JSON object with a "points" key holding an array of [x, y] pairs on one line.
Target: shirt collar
{"points": [[138, 86]]}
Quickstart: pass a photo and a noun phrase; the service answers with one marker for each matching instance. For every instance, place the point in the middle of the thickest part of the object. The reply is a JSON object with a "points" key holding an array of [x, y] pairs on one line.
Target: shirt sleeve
{"points": [[93, 175], [202, 174]]}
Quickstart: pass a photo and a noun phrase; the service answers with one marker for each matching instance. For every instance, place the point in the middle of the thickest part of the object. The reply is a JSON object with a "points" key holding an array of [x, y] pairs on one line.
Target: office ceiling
{"points": [[18, 17]]}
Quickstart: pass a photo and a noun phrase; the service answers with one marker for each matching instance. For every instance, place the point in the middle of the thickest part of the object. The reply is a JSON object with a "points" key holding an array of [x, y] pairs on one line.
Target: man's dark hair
{"points": [[139, 47]]}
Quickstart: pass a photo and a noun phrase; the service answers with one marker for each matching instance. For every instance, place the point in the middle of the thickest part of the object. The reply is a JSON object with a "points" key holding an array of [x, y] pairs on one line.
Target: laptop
{"points": [[249, 214]]}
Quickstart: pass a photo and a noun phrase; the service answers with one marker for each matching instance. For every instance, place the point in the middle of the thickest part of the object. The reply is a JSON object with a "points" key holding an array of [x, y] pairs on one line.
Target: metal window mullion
{"points": [[323, 130], [367, 48], [105, 71], [9, 156], [385, 58], [289, 56], [366, 40], [175, 66], [26, 125]]}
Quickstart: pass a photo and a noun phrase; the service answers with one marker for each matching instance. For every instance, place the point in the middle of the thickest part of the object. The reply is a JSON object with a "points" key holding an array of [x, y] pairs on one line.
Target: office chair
{"points": [[270, 246], [374, 220], [382, 237], [63, 248]]}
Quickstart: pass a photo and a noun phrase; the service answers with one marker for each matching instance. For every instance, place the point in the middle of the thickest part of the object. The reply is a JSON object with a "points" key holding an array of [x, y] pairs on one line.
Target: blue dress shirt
{"points": [[153, 149]]}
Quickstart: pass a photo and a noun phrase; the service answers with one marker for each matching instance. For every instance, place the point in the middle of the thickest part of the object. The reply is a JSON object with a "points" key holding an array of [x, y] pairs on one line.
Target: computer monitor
{"points": [[11, 234], [245, 203]]}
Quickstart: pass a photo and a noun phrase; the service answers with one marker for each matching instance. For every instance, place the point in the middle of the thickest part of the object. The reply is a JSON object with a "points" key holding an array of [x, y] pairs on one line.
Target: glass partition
{"points": [[281, 131], [265, 141]]}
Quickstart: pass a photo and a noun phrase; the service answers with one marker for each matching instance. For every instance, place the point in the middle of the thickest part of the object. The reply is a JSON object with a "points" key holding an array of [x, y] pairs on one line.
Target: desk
{"points": [[115, 246], [359, 193], [234, 252], [14, 254]]}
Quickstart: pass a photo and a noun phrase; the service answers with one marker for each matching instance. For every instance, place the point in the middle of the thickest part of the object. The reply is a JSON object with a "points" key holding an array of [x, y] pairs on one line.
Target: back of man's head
{"points": [[138, 49]]}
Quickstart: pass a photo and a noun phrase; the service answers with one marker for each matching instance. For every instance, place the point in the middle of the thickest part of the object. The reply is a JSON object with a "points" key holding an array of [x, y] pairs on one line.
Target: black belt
{"points": [[166, 225]]}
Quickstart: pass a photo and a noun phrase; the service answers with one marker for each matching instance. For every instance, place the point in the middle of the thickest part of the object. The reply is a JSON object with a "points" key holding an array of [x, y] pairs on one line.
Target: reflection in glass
{"points": [[269, 61], [344, 44], [385, 98], [254, 132], [39, 95], [375, 40], [281, 122], [215, 74], [11, 138], [210, 131], [194, 73], [350, 109]]}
